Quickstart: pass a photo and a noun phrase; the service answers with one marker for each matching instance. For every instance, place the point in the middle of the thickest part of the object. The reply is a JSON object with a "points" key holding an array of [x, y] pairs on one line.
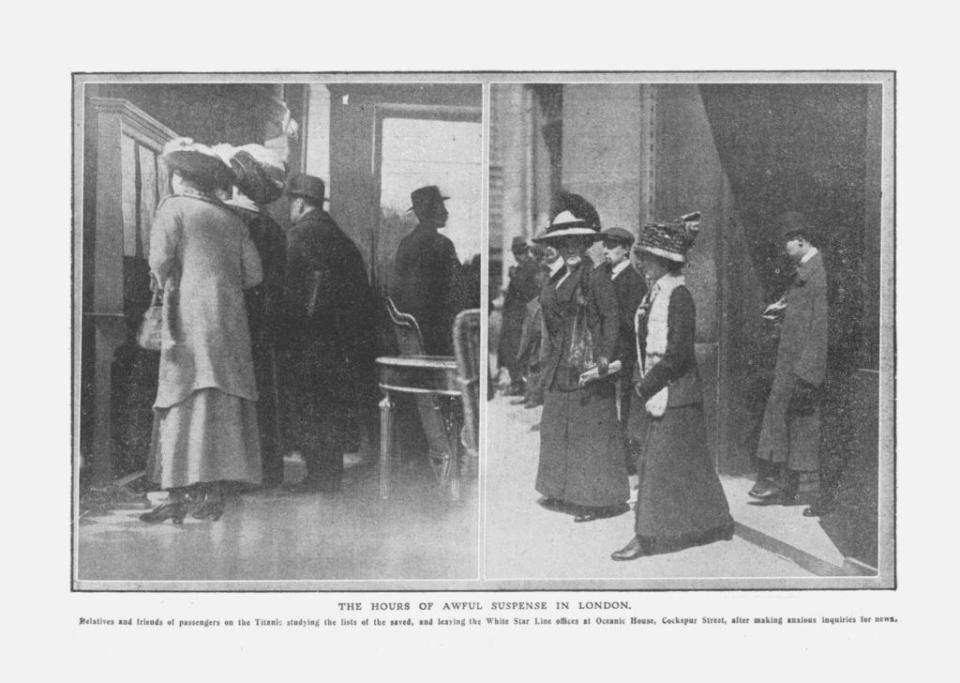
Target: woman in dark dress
{"points": [[681, 502], [260, 174], [582, 469]]}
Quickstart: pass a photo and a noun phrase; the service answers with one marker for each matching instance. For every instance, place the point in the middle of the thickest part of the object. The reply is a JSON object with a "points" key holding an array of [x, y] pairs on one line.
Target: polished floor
{"points": [[316, 540], [524, 541]]}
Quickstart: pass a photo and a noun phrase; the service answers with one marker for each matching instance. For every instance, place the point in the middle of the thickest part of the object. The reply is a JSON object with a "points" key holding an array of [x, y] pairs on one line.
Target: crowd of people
{"points": [[609, 351], [268, 337]]}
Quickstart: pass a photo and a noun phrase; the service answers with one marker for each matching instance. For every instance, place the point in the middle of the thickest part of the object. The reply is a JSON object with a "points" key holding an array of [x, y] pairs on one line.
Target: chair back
{"points": [[466, 347], [406, 329]]}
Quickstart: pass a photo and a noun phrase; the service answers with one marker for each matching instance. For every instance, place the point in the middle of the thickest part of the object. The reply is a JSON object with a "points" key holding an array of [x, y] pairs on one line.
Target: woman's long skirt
{"points": [[581, 447], [680, 494], [209, 436]]}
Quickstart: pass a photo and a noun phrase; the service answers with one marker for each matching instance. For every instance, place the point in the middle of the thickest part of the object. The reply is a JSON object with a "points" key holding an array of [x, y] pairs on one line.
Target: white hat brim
{"points": [[569, 232]]}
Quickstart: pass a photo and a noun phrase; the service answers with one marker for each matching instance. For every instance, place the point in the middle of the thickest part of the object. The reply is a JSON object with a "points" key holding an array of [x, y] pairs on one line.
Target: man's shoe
{"points": [[820, 509], [631, 551], [591, 514], [778, 497]]}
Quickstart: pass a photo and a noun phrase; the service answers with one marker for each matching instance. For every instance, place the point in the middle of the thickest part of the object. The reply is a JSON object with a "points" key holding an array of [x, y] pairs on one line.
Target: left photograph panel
{"points": [[276, 332]]}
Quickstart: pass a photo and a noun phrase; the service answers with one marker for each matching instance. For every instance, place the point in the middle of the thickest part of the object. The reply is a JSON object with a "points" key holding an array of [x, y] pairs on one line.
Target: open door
{"points": [[428, 145]]}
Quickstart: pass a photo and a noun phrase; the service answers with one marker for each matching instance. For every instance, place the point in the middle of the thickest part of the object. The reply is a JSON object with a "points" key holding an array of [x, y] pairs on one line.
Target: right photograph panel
{"points": [[690, 354]]}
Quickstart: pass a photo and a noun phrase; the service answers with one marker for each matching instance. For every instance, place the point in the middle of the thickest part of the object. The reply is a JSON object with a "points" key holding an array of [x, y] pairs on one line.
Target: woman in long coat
{"points": [[259, 179], [680, 502], [582, 469], [205, 432]]}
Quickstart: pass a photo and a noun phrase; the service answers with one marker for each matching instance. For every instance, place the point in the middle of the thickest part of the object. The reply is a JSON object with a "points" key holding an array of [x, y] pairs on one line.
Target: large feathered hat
{"points": [[260, 172], [671, 240], [575, 217], [196, 160]]}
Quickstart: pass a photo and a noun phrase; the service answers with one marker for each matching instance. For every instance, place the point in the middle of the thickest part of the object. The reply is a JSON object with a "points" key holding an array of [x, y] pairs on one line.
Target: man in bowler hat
{"points": [[329, 341]]}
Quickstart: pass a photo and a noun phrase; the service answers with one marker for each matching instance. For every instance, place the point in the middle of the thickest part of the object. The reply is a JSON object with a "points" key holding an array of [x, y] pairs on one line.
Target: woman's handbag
{"points": [[149, 334]]}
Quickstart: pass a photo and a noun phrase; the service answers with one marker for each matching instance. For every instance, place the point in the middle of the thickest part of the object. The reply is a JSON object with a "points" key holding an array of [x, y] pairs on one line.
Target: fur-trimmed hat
{"points": [[672, 240], [575, 217], [196, 160]]}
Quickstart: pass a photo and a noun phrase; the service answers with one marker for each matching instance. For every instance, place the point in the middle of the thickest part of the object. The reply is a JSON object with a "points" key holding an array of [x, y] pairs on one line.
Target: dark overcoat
{"points": [[329, 344], [786, 437], [264, 314], [581, 451], [426, 283], [680, 494], [629, 287], [520, 291]]}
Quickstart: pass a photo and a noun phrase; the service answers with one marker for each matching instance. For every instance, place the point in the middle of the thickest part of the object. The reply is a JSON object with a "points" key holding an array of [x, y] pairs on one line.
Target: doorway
{"points": [[418, 146]]}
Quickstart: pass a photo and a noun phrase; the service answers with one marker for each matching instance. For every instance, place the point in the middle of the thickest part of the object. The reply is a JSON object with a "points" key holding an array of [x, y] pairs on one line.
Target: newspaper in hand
{"points": [[594, 374]]}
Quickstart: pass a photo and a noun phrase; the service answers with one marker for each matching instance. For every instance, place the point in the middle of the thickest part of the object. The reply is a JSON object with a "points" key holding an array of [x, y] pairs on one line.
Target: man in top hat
{"points": [[630, 289], [329, 341], [523, 287], [426, 273], [790, 434]]}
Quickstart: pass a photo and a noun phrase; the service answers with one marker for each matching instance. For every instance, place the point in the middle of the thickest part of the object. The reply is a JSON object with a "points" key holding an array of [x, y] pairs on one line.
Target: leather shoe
{"points": [[820, 509], [209, 509], [553, 504], [174, 511], [631, 551], [591, 514], [763, 488], [776, 497]]}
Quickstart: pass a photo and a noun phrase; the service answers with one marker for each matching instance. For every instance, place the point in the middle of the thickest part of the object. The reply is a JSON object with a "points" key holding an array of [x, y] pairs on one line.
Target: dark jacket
{"points": [[559, 312], [678, 367], [426, 284], [264, 301], [521, 290], [630, 288], [328, 303]]}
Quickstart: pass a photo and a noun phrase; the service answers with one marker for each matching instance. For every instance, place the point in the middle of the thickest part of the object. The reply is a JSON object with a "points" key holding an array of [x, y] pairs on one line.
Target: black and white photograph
{"points": [[466, 331], [277, 316], [691, 332], [494, 342]]}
